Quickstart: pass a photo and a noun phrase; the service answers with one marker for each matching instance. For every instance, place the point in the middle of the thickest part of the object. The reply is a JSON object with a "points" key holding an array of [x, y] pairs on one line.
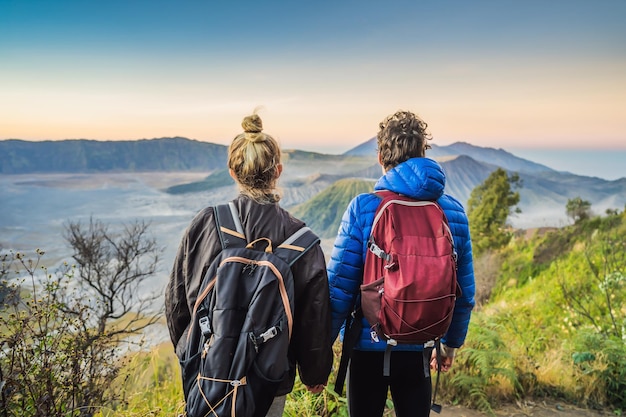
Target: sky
{"points": [[323, 74]]}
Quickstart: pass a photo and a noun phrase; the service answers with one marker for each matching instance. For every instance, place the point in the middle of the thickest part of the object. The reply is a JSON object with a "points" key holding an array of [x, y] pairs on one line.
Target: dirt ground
{"points": [[540, 408]]}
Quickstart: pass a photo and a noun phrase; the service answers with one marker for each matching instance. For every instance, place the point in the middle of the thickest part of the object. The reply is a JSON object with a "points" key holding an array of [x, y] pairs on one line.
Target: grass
{"points": [[531, 338], [151, 386]]}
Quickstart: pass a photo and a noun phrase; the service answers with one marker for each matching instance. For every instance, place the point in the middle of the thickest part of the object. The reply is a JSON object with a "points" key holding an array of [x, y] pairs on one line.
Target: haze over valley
{"points": [[166, 181]]}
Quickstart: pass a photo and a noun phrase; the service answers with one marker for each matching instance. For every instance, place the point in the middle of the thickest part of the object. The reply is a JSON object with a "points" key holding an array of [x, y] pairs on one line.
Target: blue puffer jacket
{"points": [[421, 179]]}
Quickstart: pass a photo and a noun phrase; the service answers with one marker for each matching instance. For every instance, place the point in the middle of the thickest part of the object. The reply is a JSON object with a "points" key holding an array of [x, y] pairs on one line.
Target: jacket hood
{"points": [[417, 178]]}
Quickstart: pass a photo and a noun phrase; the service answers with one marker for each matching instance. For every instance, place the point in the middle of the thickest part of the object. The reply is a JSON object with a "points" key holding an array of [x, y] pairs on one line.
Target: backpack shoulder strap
{"points": [[383, 193], [229, 226], [296, 245]]}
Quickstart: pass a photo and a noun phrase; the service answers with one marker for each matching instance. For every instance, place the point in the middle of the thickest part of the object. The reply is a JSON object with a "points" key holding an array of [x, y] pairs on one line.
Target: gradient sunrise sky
{"points": [[504, 74]]}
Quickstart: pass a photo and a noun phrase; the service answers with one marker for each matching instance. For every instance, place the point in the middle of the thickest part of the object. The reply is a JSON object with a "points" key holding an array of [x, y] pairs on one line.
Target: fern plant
{"points": [[484, 370]]}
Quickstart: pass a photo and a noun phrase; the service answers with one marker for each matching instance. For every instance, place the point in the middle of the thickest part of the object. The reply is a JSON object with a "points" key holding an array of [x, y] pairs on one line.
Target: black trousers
{"points": [[367, 387]]}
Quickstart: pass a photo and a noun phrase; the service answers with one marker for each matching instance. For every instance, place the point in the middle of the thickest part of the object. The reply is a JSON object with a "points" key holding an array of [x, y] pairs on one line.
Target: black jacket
{"points": [[311, 345]]}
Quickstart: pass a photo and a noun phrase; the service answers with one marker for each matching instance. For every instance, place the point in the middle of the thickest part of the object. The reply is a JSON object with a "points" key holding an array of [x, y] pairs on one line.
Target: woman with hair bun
{"points": [[254, 162]]}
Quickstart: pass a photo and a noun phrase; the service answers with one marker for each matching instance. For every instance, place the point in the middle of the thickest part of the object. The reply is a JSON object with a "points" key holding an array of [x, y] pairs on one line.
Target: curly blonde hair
{"points": [[254, 158], [402, 136]]}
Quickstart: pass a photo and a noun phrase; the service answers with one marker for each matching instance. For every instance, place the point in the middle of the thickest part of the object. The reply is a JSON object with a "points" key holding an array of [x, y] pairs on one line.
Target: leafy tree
{"points": [[62, 338], [489, 207], [578, 209]]}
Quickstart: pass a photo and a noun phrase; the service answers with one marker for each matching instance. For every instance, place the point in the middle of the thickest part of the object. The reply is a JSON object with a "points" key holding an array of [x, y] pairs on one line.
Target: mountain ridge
{"points": [[499, 157], [90, 156], [544, 193]]}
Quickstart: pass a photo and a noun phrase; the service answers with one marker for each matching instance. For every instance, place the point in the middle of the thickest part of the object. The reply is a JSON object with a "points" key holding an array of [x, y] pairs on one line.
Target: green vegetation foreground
{"points": [[551, 324], [552, 327]]}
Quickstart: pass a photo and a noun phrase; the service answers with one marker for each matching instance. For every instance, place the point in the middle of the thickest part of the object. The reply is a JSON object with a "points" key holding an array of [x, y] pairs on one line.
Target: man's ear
{"points": [[380, 162], [232, 174]]}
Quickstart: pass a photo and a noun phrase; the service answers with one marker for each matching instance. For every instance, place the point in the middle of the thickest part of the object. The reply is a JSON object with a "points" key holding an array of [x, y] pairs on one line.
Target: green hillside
{"points": [[216, 180], [552, 320], [323, 212]]}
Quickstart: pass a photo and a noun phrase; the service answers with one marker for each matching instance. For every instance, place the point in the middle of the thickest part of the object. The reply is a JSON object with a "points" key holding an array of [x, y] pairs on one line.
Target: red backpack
{"points": [[409, 282], [409, 279]]}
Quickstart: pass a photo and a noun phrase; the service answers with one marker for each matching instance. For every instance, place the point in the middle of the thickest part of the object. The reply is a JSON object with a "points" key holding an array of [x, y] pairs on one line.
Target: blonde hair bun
{"points": [[254, 157], [252, 127], [252, 124]]}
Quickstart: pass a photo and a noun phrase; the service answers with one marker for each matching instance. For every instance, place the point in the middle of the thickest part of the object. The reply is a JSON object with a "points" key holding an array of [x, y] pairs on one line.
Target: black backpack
{"points": [[236, 352]]}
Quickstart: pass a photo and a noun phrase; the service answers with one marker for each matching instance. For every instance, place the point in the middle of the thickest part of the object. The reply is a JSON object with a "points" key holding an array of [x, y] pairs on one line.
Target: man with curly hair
{"points": [[402, 143]]}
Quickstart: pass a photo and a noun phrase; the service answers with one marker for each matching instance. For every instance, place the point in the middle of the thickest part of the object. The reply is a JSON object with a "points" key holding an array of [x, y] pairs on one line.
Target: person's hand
{"points": [[447, 358], [446, 363], [315, 389]]}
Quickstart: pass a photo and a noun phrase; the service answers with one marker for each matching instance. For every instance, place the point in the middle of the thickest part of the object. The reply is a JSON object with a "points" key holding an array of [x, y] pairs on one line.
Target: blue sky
{"points": [[504, 74]]}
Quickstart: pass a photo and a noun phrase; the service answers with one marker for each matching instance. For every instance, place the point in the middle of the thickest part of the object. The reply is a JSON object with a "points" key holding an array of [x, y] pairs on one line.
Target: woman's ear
{"points": [[232, 174], [279, 170]]}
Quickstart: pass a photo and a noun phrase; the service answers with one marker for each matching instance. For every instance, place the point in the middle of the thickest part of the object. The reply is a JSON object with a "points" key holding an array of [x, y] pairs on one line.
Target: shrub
{"points": [[63, 334]]}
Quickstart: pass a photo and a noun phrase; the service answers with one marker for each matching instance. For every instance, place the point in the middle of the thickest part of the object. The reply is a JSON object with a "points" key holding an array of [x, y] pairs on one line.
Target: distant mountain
{"points": [[367, 148], [307, 175], [497, 157], [73, 156], [181, 154], [463, 174], [303, 171], [544, 194]]}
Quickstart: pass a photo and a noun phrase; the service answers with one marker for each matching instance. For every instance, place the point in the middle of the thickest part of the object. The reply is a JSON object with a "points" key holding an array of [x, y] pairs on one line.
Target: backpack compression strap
{"points": [[229, 226], [296, 245], [232, 235]]}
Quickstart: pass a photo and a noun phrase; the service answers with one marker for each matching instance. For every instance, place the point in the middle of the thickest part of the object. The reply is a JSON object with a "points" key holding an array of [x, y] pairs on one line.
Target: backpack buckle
{"points": [[268, 334], [376, 250], [205, 326], [263, 337]]}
